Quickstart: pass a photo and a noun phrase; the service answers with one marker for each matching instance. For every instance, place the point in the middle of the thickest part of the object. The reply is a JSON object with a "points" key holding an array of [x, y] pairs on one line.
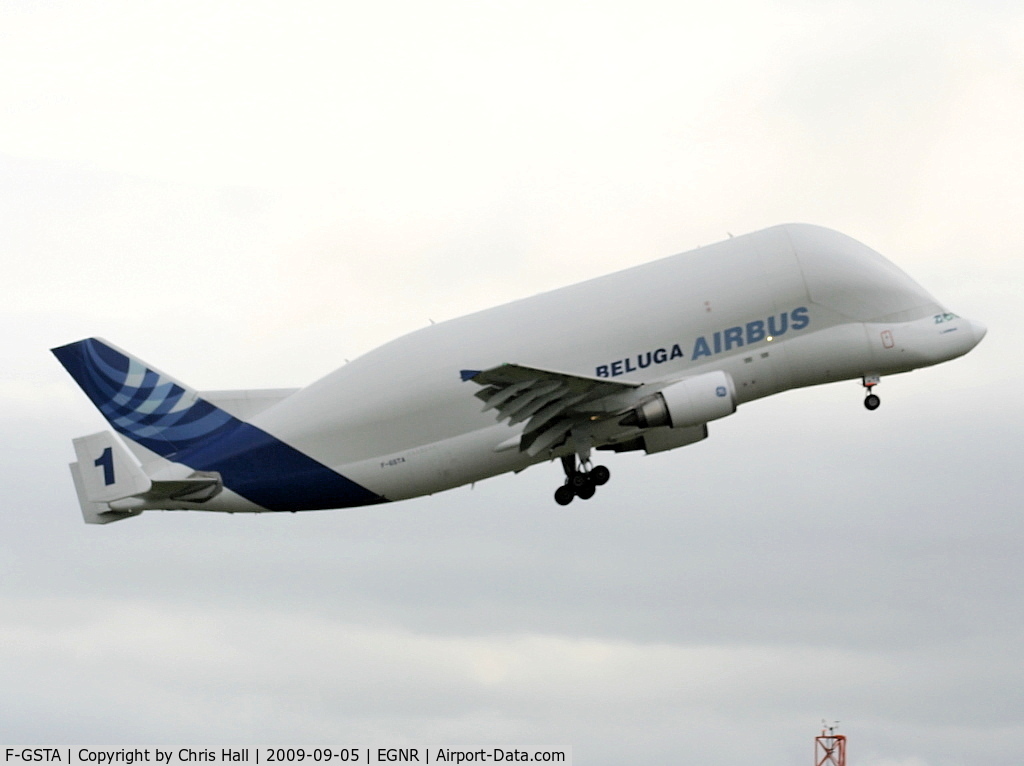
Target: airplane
{"points": [[638, 360]]}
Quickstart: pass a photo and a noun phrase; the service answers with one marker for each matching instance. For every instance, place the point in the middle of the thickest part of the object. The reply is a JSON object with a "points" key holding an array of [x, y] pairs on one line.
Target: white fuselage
{"points": [[790, 306]]}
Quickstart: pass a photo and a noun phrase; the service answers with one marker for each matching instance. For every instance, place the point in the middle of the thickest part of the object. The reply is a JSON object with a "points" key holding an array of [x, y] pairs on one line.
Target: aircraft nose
{"points": [[979, 331]]}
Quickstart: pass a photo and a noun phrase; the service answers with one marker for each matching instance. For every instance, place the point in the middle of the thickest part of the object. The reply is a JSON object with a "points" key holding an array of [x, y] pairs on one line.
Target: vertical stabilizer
{"points": [[93, 512], [106, 469], [204, 447], [141, 403]]}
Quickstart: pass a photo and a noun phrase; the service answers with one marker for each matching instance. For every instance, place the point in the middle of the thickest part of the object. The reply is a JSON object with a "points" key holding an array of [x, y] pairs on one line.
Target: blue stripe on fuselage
{"points": [[270, 473], [154, 412]]}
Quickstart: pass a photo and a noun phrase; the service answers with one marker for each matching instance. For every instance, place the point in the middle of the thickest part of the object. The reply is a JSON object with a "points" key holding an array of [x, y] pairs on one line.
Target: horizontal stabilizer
{"points": [[112, 486], [92, 512]]}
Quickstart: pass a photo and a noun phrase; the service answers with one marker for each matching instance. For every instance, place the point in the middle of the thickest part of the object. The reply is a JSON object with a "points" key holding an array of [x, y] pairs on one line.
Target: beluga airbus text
{"points": [[642, 359]]}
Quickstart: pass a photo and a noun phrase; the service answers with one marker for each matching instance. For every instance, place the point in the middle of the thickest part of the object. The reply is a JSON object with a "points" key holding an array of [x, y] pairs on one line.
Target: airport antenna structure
{"points": [[829, 747]]}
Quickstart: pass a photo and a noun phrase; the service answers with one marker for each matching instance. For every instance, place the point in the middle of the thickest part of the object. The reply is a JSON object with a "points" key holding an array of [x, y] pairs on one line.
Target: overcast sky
{"points": [[246, 195]]}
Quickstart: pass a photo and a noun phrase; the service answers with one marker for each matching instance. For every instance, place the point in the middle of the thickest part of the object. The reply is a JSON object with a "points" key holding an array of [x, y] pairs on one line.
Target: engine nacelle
{"points": [[687, 403]]}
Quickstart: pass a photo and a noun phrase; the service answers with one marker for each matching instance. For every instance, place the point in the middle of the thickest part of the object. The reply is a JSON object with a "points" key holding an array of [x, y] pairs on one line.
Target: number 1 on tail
{"points": [[106, 461]]}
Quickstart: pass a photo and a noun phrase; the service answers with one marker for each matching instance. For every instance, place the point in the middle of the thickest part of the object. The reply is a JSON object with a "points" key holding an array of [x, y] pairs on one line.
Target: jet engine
{"points": [[689, 402]]}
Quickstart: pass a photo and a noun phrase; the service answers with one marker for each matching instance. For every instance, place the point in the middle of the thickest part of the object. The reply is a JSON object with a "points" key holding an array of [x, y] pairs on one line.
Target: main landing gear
{"points": [[871, 401], [580, 483]]}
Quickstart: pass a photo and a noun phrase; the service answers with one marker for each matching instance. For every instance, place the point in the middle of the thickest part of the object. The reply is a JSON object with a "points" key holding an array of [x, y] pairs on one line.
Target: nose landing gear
{"points": [[580, 481], [871, 401]]}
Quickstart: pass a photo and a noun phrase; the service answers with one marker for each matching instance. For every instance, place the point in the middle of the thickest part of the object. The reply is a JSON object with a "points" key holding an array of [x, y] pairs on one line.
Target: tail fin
{"points": [[94, 512], [112, 486], [107, 470], [140, 402], [107, 480], [205, 448]]}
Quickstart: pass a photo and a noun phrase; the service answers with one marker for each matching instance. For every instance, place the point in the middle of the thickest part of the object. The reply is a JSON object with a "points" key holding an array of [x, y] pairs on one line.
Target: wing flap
{"points": [[550, 402], [540, 400], [498, 394], [546, 414], [535, 443]]}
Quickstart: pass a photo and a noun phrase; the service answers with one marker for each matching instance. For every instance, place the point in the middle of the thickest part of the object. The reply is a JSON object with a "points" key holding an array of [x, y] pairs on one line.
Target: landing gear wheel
{"points": [[587, 490], [871, 400], [580, 482]]}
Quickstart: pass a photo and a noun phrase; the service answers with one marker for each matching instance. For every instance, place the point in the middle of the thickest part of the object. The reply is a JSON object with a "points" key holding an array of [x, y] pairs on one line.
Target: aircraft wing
{"points": [[550, 402]]}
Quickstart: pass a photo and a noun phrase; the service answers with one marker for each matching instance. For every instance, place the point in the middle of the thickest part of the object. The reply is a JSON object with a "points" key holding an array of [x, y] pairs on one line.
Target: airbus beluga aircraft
{"points": [[642, 359]]}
